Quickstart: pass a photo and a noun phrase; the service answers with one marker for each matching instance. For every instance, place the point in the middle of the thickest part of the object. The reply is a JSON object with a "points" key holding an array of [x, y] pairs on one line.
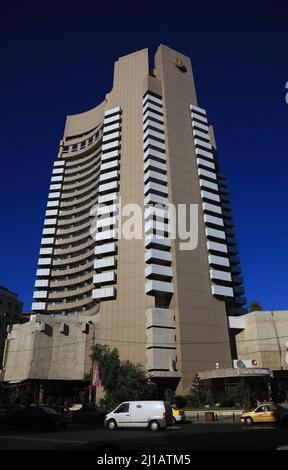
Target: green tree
{"points": [[197, 395], [240, 393], [254, 306], [122, 380], [169, 395]]}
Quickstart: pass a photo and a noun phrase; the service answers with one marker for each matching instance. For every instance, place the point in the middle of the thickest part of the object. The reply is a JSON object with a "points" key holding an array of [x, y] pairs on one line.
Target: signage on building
{"points": [[254, 371]]}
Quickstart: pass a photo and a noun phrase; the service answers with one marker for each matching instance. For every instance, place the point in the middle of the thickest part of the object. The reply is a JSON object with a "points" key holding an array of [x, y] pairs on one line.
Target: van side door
{"points": [[122, 415]]}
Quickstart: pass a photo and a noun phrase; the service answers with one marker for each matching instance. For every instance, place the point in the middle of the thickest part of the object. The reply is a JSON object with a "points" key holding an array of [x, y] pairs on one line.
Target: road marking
{"points": [[25, 438]]}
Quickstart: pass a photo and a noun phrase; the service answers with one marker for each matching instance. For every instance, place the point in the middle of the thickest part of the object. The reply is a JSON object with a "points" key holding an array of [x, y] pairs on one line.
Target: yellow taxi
{"points": [[264, 413], [178, 415]]}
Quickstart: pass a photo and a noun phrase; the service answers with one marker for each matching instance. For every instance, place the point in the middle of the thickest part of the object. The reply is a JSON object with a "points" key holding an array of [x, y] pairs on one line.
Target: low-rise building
{"points": [[263, 343], [10, 313], [49, 354]]}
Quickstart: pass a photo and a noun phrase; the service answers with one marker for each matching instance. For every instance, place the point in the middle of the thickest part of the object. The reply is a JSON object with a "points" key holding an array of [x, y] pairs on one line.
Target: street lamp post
{"points": [[91, 397]]}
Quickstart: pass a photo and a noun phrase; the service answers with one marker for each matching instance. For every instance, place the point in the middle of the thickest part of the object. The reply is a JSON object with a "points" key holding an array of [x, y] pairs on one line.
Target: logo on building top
{"points": [[180, 64]]}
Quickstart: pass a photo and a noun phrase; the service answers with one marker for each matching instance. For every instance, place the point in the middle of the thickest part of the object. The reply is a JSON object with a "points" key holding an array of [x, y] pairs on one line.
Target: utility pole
{"points": [[91, 394]]}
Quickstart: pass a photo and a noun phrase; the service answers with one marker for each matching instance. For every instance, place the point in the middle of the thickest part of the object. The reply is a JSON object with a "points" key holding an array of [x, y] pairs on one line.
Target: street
{"points": [[182, 438]]}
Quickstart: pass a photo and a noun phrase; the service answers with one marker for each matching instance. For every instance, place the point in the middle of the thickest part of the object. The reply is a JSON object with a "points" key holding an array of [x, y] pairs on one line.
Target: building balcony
{"points": [[110, 156], [47, 241], [210, 196], [43, 272], [152, 107], [153, 165], [158, 257], [152, 143], [204, 153], [210, 219], [44, 261], [151, 199], [111, 146], [37, 306], [153, 99], [41, 283], [106, 235], [109, 167], [105, 188], [111, 112], [201, 135], [155, 212], [161, 243], [197, 109], [155, 188], [155, 176], [202, 144], [222, 291], [198, 125], [104, 293], [106, 249], [149, 124], [207, 207], [108, 277], [213, 233], [207, 174], [158, 272], [40, 294], [153, 134], [111, 128], [217, 275], [152, 226], [158, 287], [108, 198], [204, 184], [198, 117], [151, 115], [106, 222], [109, 176], [214, 246], [205, 163], [58, 163], [218, 261], [112, 119], [154, 155], [105, 263]]}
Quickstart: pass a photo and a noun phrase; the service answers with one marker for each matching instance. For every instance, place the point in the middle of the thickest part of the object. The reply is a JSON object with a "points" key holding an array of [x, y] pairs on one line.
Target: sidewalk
{"points": [[219, 415]]}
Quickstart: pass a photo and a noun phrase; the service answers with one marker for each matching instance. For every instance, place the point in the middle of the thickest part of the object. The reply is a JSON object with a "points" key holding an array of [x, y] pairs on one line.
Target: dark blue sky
{"points": [[59, 61]]}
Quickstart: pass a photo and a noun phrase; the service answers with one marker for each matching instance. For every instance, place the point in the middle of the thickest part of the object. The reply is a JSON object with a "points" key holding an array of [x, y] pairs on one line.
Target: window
{"points": [[261, 409], [123, 408]]}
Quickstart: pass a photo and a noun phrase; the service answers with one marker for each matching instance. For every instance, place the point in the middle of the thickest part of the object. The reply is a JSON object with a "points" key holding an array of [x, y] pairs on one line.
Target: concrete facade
{"points": [[10, 313], [48, 348], [264, 339], [148, 142]]}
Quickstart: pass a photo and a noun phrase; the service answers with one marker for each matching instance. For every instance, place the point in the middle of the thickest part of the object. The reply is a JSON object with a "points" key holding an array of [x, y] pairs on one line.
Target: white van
{"points": [[154, 414]]}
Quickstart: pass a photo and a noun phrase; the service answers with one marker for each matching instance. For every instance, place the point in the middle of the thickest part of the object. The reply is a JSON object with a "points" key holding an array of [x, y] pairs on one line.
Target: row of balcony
{"points": [[158, 271], [217, 217], [105, 229]]}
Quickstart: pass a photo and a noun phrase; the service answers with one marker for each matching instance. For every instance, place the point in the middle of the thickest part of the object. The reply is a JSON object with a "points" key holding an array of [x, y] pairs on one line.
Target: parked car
{"points": [[6, 412], [178, 415], [88, 414], [154, 415], [265, 413], [35, 416]]}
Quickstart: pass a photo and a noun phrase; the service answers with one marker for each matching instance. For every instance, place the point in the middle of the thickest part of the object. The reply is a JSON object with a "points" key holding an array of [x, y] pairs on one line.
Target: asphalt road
{"points": [[182, 438]]}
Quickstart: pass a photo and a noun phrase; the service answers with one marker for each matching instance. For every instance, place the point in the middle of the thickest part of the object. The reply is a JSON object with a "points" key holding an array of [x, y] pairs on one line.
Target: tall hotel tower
{"points": [[148, 143]]}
